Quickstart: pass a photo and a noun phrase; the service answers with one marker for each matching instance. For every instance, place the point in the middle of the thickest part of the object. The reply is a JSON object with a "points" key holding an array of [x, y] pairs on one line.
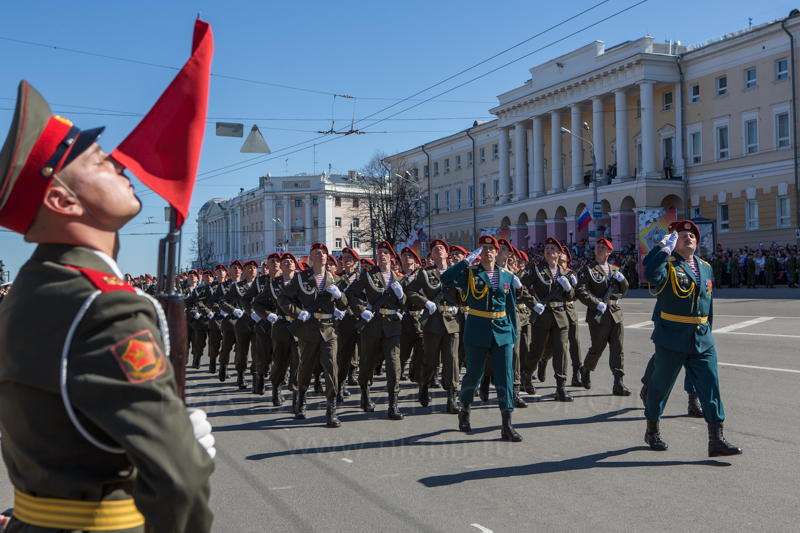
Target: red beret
{"points": [[148, 276], [237, 263], [208, 273], [607, 243], [221, 267], [368, 262], [304, 265], [319, 246], [504, 242], [386, 246], [252, 262], [274, 255], [331, 258], [351, 252], [685, 225], [436, 242], [488, 239], [287, 255], [565, 250], [458, 249], [409, 250], [516, 252], [551, 240], [524, 256]]}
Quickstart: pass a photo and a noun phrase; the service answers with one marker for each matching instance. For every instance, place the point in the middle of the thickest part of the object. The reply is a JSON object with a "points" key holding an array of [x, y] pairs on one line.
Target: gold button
{"points": [[698, 327], [47, 172]]}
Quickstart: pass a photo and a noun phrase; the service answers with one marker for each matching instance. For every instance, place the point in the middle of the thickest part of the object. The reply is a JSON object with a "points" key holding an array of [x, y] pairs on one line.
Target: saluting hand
{"points": [[668, 242], [473, 256]]}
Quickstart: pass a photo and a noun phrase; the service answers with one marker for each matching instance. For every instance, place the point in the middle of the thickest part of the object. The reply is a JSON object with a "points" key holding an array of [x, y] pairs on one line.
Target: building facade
{"points": [[288, 212], [715, 118]]}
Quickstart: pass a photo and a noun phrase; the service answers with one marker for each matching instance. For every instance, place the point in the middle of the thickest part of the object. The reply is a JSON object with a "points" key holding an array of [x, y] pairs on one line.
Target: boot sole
{"points": [[724, 454]]}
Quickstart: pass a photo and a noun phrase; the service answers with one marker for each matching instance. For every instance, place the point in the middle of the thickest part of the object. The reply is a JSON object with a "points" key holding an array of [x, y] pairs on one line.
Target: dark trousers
{"points": [[228, 340], [612, 335], [284, 356], [441, 349], [262, 356], [199, 343], [214, 342], [501, 357], [245, 340], [703, 369], [372, 348], [651, 367], [346, 349], [558, 337], [320, 352], [412, 346]]}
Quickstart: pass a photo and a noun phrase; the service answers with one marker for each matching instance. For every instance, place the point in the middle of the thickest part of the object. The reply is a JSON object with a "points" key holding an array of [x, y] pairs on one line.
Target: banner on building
{"points": [[653, 225]]}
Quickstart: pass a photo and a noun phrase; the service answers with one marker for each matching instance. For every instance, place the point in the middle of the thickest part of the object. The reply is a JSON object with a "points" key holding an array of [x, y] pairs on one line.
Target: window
{"points": [[483, 194], [667, 98], [483, 155], [298, 202], [458, 162], [356, 222], [447, 165], [316, 222], [436, 168], [495, 151], [355, 202], [750, 78], [752, 214], [751, 136], [356, 244], [416, 174], [469, 159], [722, 85], [337, 222], [696, 148], [723, 144], [298, 241], [471, 193], [279, 202], [436, 204], [781, 69], [447, 201], [314, 200], [782, 130], [337, 202], [298, 223], [511, 146], [696, 212], [425, 169], [458, 199], [784, 213], [694, 93], [638, 109], [338, 244], [722, 215]]}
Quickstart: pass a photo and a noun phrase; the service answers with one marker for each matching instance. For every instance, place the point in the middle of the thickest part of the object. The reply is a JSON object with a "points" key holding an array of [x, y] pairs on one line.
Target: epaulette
{"points": [[704, 261], [671, 258], [400, 274], [102, 281]]}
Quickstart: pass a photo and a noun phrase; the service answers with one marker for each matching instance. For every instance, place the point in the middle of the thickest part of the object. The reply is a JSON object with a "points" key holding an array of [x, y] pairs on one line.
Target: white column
{"points": [[623, 160], [521, 162], [529, 137], [269, 232], [648, 130], [556, 152], [505, 179], [598, 133], [538, 157], [677, 157], [309, 223], [577, 146]]}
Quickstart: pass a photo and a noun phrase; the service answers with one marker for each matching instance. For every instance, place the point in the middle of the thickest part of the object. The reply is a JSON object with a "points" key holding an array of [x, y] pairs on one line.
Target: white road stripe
{"points": [[744, 324], [347, 460], [482, 529], [760, 367], [640, 325]]}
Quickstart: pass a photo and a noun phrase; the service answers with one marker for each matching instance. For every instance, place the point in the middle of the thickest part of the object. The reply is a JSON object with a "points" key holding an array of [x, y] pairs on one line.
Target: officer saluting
{"points": [[682, 333], [90, 411]]}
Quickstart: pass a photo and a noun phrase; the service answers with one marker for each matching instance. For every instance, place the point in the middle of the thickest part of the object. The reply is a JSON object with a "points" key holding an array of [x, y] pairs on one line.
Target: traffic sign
{"points": [[591, 233], [597, 208]]}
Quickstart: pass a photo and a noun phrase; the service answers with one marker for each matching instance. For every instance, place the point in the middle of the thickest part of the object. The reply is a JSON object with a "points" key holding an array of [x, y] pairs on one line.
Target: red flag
{"points": [[164, 149]]}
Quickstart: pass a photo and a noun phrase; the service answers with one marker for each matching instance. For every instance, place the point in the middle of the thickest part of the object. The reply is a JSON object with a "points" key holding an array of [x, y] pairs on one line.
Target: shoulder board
{"points": [[671, 258], [704, 261], [399, 274], [102, 281], [273, 280]]}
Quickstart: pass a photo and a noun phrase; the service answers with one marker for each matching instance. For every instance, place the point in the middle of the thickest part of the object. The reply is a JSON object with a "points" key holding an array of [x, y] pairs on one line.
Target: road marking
{"points": [[744, 324], [640, 325], [283, 488], [347, 460], [759, 334], [483, 529], [760, 367]]}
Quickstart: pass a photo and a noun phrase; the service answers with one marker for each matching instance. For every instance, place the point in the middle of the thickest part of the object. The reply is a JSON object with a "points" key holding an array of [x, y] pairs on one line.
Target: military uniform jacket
{"points": [[193, 303], [474, 282], [592, 287], [263, 305], [300, 293], [368, 289], [260, 304], [523, 299], [347, 325], [539, 282], [411, 324], [425, 288], [688, 305], [121, 390]]}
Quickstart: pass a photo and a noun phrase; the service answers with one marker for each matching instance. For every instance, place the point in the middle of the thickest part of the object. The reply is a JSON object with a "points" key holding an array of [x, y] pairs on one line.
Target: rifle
{"points": [[606, 299], [387, 293], [313, 306]]}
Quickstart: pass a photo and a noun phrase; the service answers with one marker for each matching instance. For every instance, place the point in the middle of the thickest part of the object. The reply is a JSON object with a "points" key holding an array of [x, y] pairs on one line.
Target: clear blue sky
{"points": [[376, 51]]}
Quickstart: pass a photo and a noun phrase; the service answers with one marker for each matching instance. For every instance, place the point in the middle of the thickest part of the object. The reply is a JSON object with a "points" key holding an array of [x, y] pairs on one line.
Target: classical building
{"points": [[716, 114], [289, 212]]}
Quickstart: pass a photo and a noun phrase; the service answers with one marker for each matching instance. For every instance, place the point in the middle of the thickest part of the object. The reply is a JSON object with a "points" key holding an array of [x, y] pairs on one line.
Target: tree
{"points": [[202, 253]]}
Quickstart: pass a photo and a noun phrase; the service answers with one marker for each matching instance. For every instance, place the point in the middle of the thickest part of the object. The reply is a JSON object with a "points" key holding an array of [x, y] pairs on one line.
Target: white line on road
{"points": [[760, 367], [347, 460], [758, 334], [744, 324], [640, 325], [283, 488], [483, 529]]}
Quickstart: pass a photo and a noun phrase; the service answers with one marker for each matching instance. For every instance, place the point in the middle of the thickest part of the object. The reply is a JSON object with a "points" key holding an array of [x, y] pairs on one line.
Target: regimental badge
{"points": [[140, 357], [709, 284], [506, 287]]}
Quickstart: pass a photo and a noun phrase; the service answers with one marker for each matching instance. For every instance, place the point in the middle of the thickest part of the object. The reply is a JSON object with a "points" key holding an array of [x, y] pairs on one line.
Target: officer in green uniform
{"points": [[771, 268], [751, 272], [716, 267], [682, 335], [733, 264], [95, 436], [491, 329]]}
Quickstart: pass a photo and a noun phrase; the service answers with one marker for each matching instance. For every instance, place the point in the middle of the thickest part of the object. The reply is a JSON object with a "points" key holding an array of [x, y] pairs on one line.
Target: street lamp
{"points": [[594, 167], [408, 179]]}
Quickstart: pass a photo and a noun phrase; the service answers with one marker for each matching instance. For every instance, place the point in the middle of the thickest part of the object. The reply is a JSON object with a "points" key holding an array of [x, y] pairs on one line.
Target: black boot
{"points": [[240, 381], [695, 409], [519, 403], [294, 400], [507, 431], [483, 390], [366, 403], [434, 383], [541, 371], [196, 361], [452, 404], [300, 409], [223, 372], [643, 395], [394, 412], [463, 419], [318, 385], [330, 414], [344, 392], [527, 384], [351, 376], [258, 384], [212, 366], [424, 397], [340, 396], [561, 392], [717, 445], [619, 388], [576, 376], [586, 378], [277, 397], [653, 437]]}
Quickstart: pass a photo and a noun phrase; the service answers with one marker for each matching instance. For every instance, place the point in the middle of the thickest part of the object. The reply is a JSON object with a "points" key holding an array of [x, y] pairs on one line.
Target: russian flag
{"points": [[584, 219]]}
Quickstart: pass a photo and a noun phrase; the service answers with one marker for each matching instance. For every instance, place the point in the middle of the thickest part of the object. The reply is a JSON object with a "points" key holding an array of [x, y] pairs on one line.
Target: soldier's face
{"points": [[601, 252], [287, 266], [250, 271], [236, 273], [455, 257], [551, 252], [504, 253], [348, 261], [208, 279], [331, 266], [489, 252], [439, 251], [409, 261], [274, 264], [383, 256], [687, 242], [221, 274], [318, 257]]}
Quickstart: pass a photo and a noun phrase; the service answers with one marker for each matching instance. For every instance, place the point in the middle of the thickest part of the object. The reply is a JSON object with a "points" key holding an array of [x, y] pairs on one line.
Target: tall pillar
{"points": [[648, 130], [598, 133], [557, 166], [680, 169], [521, 162], [309, 224], [529, 138], [538, 158], [577, 146], [505, 179], [623, 159]]}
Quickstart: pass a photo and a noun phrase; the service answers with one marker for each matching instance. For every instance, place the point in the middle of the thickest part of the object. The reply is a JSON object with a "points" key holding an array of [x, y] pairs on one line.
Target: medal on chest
{"points": [[709, 284]]}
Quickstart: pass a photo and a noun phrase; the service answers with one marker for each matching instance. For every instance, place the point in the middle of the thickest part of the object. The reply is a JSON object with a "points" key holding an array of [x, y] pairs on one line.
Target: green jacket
{"points": [[474, 282]]}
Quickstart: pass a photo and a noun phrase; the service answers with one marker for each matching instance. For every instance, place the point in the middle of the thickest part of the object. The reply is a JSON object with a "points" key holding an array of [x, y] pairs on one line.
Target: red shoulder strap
{"points": [[104, 282]]}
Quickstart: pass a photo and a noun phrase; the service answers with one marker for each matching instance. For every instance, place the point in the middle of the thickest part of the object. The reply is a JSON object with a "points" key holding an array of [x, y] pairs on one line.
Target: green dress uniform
{"points": [[771, 268], [733, 264], [791, 267], [95, 435], [198, 324], [347, 342], [751, 273], [490, 329], [412, 344], [716, 267]]}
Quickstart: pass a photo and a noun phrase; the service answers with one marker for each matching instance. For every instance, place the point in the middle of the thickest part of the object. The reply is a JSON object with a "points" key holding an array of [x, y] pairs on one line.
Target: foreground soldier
{"points": [[89, 411], [347, 342], [225, 294], [411, 340], [682, 337]]}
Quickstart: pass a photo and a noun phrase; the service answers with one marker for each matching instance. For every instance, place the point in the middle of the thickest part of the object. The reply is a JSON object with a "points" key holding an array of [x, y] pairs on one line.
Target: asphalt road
{"points": [[581, 466]]}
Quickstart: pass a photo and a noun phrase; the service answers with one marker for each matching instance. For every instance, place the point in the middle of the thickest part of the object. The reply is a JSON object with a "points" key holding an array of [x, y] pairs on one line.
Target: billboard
{"points": [[653, 225]]}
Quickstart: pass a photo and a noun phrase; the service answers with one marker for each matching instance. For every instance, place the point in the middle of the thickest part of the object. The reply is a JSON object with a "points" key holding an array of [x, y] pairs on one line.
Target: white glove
{"points": [[338, 314], [398, 290], [618, 276], [367, 315], [602, 307], [238, 313], [430, 306], [303, 316], [517, 283], [255, 317], [573, 279], [223, 313], [196, 316], [564, 282], [334, 291], [210, 315], [272, 318], [539, 308], [202, 430], [668, 243], [473, 256]]}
